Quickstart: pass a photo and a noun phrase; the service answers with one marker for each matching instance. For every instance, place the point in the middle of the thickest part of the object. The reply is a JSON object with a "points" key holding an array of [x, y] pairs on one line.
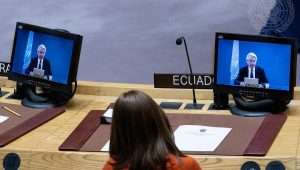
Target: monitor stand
{"points": [[19, 91], [34, 100], [36, 97], [239, 112], [256, 108]]}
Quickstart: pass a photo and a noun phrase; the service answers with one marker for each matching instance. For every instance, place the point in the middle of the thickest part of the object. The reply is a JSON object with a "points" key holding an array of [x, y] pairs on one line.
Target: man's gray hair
{"points": [[42, 46], [251, 55]]}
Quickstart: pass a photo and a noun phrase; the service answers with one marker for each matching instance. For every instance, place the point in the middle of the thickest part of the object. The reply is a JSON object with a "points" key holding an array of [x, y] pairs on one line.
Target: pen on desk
{"points": [[11, 111]]}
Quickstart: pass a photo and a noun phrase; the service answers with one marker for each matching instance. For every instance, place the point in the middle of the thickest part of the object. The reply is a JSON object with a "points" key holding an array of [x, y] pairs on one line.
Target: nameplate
{"points": [[4, 68], [183, 81]]}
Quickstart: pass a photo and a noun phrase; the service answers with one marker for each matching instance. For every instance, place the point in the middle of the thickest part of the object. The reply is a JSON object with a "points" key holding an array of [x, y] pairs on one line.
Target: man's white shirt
{"points": [[249, 72]]}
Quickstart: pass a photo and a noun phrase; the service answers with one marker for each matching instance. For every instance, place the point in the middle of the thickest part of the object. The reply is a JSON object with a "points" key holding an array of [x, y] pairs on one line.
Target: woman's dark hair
{"points": [[141, 135]]}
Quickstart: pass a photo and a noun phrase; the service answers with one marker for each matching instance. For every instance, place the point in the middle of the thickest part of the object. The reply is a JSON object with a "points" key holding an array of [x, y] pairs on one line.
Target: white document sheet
{"points": [[199, 138], [105, 148], [108, 115], [3, 118]]}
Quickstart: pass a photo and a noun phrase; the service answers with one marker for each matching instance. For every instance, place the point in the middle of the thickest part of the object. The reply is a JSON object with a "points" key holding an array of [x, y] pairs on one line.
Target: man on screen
{"points": [[252, 75], [40, 66]]}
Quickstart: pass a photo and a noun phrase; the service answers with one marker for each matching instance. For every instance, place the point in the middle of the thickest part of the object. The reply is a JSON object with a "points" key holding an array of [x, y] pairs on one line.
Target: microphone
{"points": [[194, 105]]}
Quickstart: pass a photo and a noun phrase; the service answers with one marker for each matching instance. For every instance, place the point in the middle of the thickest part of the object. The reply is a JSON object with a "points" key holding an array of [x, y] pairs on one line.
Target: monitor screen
{"points": [[45, 56], [255, 63]]}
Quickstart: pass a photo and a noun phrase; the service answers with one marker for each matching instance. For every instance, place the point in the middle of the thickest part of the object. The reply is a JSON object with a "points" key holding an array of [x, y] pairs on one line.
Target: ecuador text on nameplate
{"points": [[184, 81]]}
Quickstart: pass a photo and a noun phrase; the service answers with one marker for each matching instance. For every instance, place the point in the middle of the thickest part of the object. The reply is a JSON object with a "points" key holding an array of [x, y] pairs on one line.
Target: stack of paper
{"points": [[105, 148], [3, 118], [108, 115], [199, 138]]}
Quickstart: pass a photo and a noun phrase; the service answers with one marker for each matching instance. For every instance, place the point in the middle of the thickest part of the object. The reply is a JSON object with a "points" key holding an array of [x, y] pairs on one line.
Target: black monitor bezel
{"points": [[268, 93], [42, 82]]}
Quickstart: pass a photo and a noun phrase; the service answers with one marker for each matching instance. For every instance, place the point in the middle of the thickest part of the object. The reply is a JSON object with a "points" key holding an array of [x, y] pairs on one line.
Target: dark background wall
{"points": [[129, 40]]}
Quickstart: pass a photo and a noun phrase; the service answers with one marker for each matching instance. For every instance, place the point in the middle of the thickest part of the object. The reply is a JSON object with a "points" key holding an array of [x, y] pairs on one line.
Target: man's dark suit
{"points": [[46, 66], [259, 73]]}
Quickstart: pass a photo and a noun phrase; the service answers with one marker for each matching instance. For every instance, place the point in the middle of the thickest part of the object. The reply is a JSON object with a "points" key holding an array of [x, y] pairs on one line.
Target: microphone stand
{"points": [[193, 105]]}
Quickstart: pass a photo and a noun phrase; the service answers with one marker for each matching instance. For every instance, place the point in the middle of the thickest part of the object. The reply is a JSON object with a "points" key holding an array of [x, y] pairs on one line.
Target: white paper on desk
{"points": [[199, 138], [3, 118], [108, 115], [105, 148]]}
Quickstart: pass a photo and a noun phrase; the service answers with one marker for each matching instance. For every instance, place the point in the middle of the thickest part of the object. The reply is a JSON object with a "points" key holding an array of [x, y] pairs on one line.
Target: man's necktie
{"points": [[40, 65], [251, 73]]}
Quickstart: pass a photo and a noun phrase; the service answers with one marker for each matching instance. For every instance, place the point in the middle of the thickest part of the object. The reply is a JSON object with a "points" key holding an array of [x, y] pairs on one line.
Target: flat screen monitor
{"points": [[45, 57], [250, 64]]}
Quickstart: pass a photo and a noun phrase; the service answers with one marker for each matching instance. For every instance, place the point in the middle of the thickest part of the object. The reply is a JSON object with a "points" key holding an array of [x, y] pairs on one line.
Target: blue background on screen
{"points": [[59, 53], [273, 58]]}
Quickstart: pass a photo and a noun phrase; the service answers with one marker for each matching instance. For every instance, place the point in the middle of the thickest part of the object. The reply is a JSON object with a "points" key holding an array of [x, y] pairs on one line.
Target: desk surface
{"points": [[39, 148]]}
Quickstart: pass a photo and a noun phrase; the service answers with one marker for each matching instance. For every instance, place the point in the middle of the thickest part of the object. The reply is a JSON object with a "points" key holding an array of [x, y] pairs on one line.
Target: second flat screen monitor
{"points": [[254, 64]]}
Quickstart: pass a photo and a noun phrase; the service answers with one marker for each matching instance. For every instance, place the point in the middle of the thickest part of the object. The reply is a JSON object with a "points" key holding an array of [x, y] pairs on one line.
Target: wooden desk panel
{"points": [[39, 148]]}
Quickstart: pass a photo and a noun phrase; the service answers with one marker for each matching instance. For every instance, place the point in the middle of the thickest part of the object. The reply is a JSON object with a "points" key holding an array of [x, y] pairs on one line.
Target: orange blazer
{"points": [[183, 163]]}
